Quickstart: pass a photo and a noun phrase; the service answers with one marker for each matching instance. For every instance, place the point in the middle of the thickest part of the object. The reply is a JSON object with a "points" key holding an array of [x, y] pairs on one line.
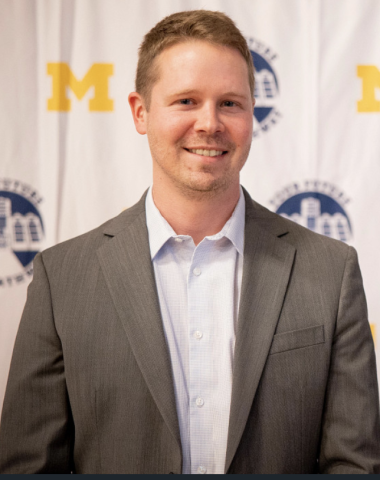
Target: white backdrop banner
{"points": [[70, 157]]}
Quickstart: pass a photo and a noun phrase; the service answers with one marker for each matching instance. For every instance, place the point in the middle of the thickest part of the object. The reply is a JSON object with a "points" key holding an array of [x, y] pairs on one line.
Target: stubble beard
{"points": [[201, 184]]}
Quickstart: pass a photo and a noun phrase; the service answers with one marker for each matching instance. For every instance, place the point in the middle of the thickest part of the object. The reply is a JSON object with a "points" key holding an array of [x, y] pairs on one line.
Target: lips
{"points": [[206, 152]]}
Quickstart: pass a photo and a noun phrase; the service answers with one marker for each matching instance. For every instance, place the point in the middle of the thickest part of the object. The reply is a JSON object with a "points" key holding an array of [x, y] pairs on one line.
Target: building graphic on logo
{"points": [[21, 231], [266, 87], [318, 206]]}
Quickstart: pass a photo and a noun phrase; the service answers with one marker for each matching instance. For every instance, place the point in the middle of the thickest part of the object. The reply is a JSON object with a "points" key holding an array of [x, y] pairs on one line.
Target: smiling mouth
{"points": [[206, 153]]}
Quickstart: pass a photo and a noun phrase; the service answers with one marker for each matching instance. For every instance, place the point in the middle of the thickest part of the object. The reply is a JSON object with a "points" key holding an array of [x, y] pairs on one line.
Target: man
{"points": [[197, 332]]}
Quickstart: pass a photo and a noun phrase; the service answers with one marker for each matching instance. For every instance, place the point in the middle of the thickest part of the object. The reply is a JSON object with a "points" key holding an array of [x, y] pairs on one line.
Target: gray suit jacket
{"points": [[90, 386]]}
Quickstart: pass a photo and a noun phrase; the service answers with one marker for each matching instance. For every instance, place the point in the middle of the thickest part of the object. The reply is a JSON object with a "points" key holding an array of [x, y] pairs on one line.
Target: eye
{"points": [[186, 101], [229, 103]]}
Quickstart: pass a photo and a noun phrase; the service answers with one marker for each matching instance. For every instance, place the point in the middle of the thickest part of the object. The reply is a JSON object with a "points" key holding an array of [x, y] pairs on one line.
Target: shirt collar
{"points": [[160, 231]]}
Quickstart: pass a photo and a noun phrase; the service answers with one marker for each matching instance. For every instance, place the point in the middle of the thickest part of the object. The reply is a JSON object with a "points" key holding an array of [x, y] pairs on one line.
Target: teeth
{"points": [[206, 153]]}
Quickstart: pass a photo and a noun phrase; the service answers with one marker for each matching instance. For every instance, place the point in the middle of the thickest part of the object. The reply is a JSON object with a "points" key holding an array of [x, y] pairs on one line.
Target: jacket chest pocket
{"points": [[305, 337]]}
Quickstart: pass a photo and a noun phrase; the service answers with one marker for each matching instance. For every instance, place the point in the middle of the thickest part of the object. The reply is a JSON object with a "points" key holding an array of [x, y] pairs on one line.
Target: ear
{"points": [[139, 112]]}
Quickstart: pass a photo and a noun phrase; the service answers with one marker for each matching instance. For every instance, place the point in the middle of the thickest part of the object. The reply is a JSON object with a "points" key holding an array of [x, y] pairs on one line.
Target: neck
{"points": [[199, 215]]}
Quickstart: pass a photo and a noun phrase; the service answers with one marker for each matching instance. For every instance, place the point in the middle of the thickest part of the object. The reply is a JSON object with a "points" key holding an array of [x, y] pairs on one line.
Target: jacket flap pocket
{"points": [[297, 339]]}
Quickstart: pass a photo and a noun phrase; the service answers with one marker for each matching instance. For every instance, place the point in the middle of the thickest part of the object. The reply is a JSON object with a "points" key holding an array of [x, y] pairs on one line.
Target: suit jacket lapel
{"points": [[126, 264], [267, 264]]}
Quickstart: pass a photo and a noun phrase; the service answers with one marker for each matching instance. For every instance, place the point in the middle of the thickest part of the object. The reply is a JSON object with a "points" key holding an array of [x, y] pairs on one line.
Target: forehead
{"points": [[193, 62]]}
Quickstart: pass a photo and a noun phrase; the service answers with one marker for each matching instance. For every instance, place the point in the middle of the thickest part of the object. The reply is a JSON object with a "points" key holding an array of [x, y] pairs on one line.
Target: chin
{"points": [[206, 186]]}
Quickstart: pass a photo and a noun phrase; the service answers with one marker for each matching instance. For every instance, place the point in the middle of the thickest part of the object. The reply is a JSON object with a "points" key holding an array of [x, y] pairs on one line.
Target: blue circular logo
{"points": [[318, 212], [266, 87], [21, 230], [266, 113]]}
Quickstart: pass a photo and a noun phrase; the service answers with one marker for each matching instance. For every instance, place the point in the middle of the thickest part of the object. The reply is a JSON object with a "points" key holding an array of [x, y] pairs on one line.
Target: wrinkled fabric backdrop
{"points": [[70, 157]]}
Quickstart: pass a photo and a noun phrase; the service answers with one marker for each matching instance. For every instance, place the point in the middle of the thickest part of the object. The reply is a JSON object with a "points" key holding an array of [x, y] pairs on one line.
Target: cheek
{"points": [[243, 138], [178, 125], [244, 135], [241, 129], [169, 129]]}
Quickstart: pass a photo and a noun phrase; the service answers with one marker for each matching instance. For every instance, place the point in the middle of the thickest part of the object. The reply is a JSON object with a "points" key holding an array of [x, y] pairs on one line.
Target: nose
{"points": [[209, 120]]}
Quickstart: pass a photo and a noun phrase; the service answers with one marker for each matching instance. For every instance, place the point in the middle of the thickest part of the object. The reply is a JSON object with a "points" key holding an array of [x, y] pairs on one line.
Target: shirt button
{"points": [[202, 469], [198, 335], [197, 271], [179, 240], [199, 402]]}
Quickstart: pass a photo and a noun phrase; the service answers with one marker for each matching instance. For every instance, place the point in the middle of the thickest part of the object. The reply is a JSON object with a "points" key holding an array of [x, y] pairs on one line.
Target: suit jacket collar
{"points": [[268, 259]]}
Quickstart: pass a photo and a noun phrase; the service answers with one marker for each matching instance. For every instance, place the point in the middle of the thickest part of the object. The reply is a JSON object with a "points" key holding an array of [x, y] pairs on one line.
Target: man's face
{"points": [[199, 123]]}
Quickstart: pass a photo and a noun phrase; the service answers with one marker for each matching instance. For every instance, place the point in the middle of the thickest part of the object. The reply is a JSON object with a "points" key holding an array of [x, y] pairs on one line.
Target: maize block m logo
{"points": [[63, 78], [370, 76]]}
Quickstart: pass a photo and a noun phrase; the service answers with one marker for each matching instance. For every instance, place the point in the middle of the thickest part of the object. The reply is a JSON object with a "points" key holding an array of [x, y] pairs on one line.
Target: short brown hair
{"points": [[213, 27]]}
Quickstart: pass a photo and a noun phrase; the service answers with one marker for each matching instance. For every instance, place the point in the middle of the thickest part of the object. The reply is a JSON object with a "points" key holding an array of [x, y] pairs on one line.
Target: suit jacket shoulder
{"points": [[89, 242]]}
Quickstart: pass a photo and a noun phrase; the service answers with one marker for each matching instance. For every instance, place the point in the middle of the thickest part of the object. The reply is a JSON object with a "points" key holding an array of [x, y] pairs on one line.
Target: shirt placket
{"points": [[200, 361]]}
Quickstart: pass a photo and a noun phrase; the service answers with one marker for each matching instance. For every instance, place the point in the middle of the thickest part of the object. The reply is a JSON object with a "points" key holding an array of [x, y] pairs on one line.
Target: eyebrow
{"points": [[234, 94], [189, 92]]}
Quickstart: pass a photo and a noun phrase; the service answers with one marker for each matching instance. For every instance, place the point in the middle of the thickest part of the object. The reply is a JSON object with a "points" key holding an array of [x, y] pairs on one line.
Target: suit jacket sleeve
{"points": [[36, 433], [350, 440]]}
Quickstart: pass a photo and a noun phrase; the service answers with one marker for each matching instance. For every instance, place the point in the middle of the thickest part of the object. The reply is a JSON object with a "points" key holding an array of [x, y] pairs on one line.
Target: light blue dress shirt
{"points": [[199, 291]]}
